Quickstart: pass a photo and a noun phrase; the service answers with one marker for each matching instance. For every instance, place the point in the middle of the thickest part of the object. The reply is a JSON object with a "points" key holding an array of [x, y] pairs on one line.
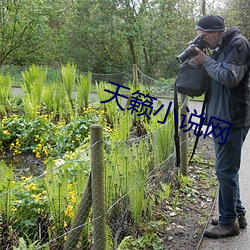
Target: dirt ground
{"points": [[187, 223]]}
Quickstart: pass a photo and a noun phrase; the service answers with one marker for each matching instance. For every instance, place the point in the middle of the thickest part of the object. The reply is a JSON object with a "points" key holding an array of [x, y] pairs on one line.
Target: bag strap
{"points": [[199, 129], [202, 111], [176, 135]]}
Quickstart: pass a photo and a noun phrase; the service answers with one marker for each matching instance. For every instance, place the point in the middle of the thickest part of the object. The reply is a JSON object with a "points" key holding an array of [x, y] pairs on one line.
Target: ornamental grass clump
{"points": [[5, 91], [161, 136], [111, 107], [83, 91], [68, 75], [33, 85]]}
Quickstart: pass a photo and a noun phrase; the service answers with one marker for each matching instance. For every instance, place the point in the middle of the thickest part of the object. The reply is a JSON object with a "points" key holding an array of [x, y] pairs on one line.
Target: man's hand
{"points": [[200, 58]]}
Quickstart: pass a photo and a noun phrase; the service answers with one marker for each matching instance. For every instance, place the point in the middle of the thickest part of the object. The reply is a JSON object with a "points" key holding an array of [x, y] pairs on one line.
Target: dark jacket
{"points": [[229, 89]]}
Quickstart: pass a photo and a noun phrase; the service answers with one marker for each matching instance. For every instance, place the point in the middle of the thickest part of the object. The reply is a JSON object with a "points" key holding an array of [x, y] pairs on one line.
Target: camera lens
{"points": [[190, 50], [187, 53]]}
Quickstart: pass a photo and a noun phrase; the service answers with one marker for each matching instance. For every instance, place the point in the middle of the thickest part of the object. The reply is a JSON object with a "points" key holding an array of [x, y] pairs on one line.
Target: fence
{"points": [[134, 171], [96, 202], [133, 75]]}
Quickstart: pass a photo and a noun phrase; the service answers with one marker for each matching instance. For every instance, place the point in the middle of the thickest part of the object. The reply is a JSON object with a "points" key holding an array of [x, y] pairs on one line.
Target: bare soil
{"points": [[186, 223]]}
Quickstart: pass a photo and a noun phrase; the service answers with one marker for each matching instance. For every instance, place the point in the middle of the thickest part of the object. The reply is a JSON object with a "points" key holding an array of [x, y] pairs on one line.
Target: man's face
{"points": [[211, 38]]}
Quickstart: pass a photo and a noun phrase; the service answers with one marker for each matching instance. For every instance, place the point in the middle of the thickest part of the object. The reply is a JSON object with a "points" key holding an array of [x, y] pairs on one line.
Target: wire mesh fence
{"points": [[45, 211], [161, 87], [56, 209]]}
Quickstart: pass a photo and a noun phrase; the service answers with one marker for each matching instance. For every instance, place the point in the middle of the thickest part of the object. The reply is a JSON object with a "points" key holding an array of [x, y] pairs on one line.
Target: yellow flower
{"points": [[45, 151], [31, 187], [38, 155], [69, 211], [6, 132], [37, 196], [14, 209], [17, 152], [73, 199]]}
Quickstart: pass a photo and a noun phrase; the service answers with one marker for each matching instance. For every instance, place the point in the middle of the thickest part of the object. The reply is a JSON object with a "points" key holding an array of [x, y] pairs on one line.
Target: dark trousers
{"points": [[228, 158]]}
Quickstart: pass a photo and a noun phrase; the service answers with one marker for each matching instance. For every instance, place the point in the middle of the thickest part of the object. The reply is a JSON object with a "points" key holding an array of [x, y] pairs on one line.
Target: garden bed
{"points": [[150, 205]]}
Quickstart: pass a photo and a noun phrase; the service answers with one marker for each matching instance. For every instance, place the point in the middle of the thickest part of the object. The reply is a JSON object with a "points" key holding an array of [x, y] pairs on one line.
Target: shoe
{"points": [[221, 231], [241, 219]]}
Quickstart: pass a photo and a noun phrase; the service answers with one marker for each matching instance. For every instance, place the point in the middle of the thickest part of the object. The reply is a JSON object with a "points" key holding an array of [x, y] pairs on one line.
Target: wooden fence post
{"points": [[98, 195], [135, 75], [80, 218]]}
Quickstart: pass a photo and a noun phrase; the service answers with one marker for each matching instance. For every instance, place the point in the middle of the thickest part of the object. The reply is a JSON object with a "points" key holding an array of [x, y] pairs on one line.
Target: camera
{"points": [[190, 51]]}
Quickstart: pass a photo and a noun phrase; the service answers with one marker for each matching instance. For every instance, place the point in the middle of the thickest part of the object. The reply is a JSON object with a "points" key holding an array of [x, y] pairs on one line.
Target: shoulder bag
{"points": [[192, 79]]}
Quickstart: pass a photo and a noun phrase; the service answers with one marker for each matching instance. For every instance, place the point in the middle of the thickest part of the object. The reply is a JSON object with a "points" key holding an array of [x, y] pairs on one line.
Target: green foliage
{"points": [[51, 199], [22, 134], [184, 181], [56, 187], [126, 172], [147, 241], [161, 136], [15, 71], [122, 123], [111, 107], [6, 184], [30, 206], [5, 90], [176, 199], [164, 192], [128, 161], [29, 245], [34, 81], [43, 137], [48, 98], [23, 25], [103, 36], [68, 74], [83, 90]]}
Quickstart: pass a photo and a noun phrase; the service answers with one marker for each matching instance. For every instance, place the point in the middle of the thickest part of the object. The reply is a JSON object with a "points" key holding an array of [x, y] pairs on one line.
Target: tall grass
{"points": [[6, 197], [111, 107], [161, 135], [83, 90], [68, 74], [48, 98], [33, 86], [5, 90]]}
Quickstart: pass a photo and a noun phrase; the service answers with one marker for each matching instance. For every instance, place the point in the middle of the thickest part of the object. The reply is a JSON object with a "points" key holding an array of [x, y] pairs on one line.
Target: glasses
{"points": [[203, 36]]}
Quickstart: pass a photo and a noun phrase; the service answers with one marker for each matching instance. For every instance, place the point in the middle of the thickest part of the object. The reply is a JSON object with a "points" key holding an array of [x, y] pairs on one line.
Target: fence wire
{"points": [[43, 211], [158, 87]]}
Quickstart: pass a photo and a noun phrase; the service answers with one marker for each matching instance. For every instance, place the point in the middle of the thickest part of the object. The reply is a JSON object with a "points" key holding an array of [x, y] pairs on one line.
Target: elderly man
{"points": [[229, 100]]}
